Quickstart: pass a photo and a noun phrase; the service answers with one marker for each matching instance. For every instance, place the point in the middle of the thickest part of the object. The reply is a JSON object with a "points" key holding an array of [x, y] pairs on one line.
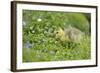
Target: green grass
{"points": [[40, 43], [56, 52]]}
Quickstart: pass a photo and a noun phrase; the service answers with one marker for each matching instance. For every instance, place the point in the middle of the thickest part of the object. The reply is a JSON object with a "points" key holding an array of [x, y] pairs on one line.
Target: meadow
{"points": [[41, 43]]}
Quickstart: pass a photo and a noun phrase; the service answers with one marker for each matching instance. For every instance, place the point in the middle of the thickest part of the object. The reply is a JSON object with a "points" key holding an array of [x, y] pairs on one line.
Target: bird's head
{"points": [[59, 33]]}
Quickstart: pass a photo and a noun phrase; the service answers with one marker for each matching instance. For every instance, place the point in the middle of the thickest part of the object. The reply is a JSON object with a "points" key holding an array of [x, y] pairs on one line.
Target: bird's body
{"points": [[69, 34]]}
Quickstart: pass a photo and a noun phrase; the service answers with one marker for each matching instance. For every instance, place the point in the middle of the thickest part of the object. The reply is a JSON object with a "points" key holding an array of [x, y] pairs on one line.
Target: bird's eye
{"points": [[56, 32]]}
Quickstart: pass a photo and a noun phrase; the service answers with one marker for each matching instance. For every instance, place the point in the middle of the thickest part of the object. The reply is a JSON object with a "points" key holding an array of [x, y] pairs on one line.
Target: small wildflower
{"points": [[33, 31], [39, 19], [27, 45], [23, 23], [31, 28]]}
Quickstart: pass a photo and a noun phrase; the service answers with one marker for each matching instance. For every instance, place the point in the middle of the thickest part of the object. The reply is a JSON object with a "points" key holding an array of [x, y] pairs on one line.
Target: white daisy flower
{"points": [[33, 31], [39, 19]]}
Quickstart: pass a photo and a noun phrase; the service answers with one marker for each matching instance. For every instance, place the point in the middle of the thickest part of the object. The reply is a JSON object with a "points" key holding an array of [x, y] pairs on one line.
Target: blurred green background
{"points": [[39, 42]]}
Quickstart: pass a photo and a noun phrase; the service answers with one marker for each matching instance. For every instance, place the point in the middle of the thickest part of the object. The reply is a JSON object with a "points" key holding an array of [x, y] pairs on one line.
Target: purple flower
{"points": [[27, 45]]}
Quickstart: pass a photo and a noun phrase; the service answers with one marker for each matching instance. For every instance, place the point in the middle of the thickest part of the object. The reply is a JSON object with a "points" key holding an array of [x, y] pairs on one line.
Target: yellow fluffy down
{"points": [[70, 34], [61, 35]]}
